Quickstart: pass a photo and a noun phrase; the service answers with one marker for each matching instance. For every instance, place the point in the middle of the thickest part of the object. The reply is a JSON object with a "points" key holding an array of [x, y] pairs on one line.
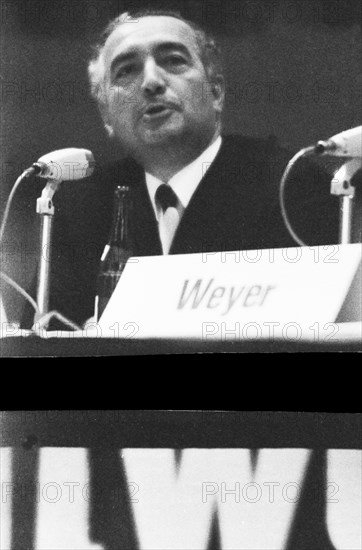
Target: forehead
{"points": [[148, 32]]}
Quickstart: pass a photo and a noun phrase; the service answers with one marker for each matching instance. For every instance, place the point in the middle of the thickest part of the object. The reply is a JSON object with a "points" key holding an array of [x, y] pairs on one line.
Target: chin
{"points": [[162, 135]]}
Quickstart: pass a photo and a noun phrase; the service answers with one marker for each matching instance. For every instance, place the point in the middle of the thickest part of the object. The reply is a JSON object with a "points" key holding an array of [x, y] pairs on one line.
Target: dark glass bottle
{"points": [[117, 251]]}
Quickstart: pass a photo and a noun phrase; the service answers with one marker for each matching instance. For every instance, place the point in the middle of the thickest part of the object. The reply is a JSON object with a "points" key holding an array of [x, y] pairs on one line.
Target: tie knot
{"points": [[166, 196]]}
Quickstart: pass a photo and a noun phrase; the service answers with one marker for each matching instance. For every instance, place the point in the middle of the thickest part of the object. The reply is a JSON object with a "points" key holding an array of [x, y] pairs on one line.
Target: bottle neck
{"points": [[121, 218]]}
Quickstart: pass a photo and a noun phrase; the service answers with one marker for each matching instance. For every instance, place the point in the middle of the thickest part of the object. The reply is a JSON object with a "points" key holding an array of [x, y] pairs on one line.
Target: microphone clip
{"points": [[44, 204], [341, 182]]}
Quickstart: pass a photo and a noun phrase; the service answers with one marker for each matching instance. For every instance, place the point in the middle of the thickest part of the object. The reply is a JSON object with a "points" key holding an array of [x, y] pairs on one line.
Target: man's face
{"points": [[156, 87]]}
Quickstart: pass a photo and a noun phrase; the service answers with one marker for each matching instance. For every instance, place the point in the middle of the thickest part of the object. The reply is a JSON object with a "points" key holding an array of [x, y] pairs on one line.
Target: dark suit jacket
{"points": [[235, 207]]}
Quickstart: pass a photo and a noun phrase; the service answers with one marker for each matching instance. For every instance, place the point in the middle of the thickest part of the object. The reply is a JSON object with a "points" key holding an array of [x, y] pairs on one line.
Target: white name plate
{"points": [[252, 292]]}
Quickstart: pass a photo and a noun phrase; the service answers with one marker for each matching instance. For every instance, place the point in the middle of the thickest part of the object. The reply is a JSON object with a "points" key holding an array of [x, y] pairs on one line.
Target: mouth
{"points": [[157, 111]]}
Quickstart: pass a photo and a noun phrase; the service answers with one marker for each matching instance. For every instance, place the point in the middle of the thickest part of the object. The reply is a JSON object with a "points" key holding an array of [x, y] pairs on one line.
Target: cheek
{"points": [[129, 94], [198, 94], [123, 99]]}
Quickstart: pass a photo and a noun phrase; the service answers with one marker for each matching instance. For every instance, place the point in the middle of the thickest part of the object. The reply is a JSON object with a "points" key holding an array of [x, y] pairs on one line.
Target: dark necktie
{"points": [[167, 199]]}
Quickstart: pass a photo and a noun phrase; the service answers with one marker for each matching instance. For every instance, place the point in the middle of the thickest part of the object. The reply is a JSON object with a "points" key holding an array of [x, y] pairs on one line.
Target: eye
{"points": [[175, 60], [124, 71]]}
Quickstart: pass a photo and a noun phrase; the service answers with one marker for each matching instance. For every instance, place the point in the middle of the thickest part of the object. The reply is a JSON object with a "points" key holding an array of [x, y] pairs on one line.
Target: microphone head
{"points": [[65, 164], [345, 144]]}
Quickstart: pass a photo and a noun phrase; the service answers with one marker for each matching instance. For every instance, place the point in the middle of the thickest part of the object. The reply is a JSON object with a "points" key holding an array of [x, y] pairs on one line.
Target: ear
{"points": [[218, 90]]}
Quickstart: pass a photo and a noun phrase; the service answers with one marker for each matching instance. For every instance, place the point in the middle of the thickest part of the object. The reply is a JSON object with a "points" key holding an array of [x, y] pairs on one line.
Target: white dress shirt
{"points": [[184, 184]]}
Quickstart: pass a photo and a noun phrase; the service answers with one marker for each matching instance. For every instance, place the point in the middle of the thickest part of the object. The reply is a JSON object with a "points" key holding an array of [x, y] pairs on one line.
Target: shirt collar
{"points": [[185, 182]]}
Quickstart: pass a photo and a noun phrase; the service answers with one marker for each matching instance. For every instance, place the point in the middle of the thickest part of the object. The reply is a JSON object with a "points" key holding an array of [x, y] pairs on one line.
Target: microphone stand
{"points": [[45, 208], [341, 185]]}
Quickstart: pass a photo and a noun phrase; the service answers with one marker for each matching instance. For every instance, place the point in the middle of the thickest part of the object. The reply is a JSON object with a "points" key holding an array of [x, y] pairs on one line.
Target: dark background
{"points": [[293, 71]]}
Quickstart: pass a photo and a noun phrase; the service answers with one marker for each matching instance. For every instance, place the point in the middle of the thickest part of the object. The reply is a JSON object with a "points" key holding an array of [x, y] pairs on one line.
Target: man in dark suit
{"points": [[160, 90]]}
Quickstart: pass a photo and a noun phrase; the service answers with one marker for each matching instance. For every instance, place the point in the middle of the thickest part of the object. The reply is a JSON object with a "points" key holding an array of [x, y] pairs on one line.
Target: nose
{"points": [[153, 78]]}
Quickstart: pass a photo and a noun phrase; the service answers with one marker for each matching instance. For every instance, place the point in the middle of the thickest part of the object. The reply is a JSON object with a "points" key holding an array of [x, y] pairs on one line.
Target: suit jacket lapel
{"points": [[145, 227], [200, 224], [147, 240]]}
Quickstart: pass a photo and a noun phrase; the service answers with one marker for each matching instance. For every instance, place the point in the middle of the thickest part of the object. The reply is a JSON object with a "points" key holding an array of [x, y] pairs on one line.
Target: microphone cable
{"points": [[307, 151], [19, 289], [28, 172]]}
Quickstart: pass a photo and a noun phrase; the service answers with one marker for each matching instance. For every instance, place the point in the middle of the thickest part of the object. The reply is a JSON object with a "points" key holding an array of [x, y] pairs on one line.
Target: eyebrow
{"points": [[159, 48]]}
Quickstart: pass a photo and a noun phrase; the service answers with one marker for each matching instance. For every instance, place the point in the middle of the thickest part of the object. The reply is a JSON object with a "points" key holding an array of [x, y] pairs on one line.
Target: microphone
{"points": [[64, 165], [345, 144]]}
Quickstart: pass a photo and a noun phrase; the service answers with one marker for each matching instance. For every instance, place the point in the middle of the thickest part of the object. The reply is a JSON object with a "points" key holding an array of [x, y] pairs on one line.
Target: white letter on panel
{"points": [[344, 499], [62, 517], [173, 513], [7, 489]]}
